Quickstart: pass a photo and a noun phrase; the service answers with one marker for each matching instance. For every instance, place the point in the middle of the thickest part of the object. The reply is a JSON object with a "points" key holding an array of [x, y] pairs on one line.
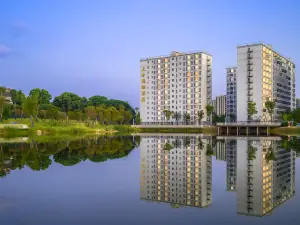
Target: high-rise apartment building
{"points": [[176, 170], [220, 105], [231, 93], [265, 176], [263, 74], [179, 82], [220, 150], [298, 103]]}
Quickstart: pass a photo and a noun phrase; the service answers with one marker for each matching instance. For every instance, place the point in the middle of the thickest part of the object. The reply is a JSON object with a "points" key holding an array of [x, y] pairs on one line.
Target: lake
{"points": [[150, 179]]}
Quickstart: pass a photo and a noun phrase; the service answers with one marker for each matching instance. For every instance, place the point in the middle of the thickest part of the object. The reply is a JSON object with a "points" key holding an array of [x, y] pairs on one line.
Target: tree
{"points": [[98, 100], [91, 112], [138, 119], [209, 110], [44, 97], [200, 115], [296, 115], [251, 109], [168, 114], [6, 111], [186, 117], [123, 115], [2, 101], [270, 105], [168, 146], [177, 116], [232, 117], [218, 119], [209, 150], [30, 107], [100, 113], [251, 152], [270, 156], [75, 115], [17, 97], [67, 101]]}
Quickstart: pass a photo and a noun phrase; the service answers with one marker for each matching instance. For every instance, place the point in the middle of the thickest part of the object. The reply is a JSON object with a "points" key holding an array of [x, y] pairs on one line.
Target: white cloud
{"points": [[4, 50]]}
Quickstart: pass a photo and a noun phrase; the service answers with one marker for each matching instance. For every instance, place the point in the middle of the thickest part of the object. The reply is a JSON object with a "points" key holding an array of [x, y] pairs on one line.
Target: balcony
{"points": [[250, 81], [250, 93]]}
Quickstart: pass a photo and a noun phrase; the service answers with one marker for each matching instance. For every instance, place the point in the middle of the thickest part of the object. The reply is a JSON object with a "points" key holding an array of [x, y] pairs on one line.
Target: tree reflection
{"points": [[38, 155]]}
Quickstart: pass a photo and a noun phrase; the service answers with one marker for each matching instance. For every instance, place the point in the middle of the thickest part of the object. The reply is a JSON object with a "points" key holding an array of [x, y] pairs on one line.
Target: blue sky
{"points": [[93, 47]]}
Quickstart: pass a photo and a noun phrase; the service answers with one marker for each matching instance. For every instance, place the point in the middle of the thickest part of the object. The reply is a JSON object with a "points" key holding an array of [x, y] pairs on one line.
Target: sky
{"points": [[93, 47]]}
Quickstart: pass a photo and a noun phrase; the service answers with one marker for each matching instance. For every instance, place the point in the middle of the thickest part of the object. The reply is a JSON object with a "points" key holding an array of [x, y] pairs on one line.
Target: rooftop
{"points": [[174, 54], [267, 46]]}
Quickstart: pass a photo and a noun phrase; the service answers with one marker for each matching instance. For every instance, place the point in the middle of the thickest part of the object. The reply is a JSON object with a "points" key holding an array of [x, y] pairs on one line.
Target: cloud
{"points": [[4, 50]]}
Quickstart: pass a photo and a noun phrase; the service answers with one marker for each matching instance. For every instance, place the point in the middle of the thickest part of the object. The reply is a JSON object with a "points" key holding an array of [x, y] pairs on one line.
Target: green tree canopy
{"points": [[17, 97], [98, 100], [67, 101], [44, 97]]}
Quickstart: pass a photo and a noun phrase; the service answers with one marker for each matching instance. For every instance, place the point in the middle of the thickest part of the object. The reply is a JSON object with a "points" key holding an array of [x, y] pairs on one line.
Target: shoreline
{"points": [[8, 130]]}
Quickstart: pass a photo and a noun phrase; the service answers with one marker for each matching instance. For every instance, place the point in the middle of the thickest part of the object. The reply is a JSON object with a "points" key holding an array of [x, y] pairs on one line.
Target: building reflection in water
{"points": [[178, 170]]}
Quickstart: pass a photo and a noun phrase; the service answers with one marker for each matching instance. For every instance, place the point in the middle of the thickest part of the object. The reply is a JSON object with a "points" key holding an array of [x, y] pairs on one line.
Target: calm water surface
{"points": [[150, 180]]}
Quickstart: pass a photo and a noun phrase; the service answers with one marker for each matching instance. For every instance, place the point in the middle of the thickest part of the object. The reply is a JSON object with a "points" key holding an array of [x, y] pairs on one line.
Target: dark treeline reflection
{"points": [[39, 155]]}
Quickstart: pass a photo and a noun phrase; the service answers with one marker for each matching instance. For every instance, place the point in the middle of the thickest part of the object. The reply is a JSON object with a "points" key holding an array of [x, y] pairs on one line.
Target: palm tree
{"points": [[200, 115], [177, 116]]}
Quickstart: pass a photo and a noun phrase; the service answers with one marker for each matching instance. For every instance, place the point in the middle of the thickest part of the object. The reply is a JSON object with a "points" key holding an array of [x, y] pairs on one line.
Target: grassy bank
{"points": [[286, 131], [54, 127], [204, 130]]}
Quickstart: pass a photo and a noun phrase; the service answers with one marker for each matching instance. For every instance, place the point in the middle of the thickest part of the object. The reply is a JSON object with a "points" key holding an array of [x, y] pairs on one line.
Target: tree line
{"points": [[67, 106]]}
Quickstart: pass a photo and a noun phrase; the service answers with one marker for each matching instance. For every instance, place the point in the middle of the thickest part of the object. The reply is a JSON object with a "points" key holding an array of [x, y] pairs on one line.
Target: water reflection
{"points": [[39, 155], [178, 170]]}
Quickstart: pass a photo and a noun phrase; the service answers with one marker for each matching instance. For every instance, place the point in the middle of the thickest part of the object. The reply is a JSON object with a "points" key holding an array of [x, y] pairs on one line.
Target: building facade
{"points": [[231, 94], [220, 150], [231, 167], [263, 74], [180, 83], [6, 93], [220, 105], [265, 176], [180, 175]]}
